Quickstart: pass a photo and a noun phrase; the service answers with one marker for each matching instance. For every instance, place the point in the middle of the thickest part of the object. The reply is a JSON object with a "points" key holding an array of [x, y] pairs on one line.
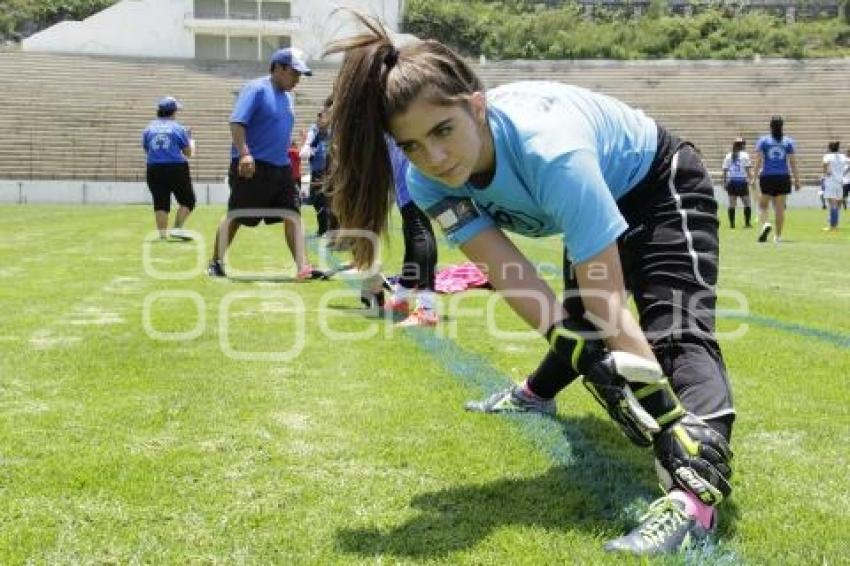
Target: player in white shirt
{"points": [[737, 176], [835, 166]]}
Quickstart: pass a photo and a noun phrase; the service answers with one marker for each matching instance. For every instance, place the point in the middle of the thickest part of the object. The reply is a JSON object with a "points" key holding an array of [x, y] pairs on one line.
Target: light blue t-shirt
{"points": [[163, 141], [775, 153], [564, 155], [268, 115]]}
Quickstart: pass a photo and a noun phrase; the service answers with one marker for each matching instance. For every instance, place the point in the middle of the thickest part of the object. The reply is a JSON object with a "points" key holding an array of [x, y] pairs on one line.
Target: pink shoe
{"points": [[420, 317], [399, 306]]}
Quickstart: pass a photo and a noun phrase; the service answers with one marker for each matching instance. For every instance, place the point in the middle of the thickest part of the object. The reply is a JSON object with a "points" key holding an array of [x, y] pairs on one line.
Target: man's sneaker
{"points": [[181, 234], [665, 528], [420, 317], [308, 274], [765, 231], [513, 400], [373, 302], [216, 269]]}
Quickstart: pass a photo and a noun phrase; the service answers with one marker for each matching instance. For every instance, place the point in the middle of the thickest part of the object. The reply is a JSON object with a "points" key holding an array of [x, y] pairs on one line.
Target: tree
{"points": [[656, 9]]}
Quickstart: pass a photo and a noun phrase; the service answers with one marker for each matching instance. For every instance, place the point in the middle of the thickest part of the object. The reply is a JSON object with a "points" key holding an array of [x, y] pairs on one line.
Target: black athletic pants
{"points": [[420, 249], [320, 202], [669, 255]]}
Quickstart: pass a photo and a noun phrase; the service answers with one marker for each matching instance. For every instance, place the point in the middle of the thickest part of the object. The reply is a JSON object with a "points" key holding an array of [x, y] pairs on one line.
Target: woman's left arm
{"points": [[512, 274], [792, 160], [603, 293]]}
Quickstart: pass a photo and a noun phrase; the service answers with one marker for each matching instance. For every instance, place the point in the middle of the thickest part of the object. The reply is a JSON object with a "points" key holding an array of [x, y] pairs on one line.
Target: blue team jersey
{"points": [[268, 115], [564, 155], [400, 165], [319, 141], [775, 154], [163, 141]]}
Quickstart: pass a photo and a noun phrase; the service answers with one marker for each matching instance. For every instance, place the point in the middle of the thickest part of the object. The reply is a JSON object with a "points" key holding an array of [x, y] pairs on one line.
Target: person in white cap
{"points": [[260, 177], [168, 144]]}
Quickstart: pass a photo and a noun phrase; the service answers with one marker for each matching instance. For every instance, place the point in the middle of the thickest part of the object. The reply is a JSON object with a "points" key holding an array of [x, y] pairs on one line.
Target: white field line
{"points": [[103, 307]]}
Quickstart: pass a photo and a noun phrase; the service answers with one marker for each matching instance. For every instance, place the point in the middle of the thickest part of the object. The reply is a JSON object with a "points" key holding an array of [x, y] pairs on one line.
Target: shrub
{"points": [[526, 29]]}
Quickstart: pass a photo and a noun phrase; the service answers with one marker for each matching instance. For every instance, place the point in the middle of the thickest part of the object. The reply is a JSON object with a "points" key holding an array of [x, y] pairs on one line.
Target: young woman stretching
{"points": [[636, 210]]}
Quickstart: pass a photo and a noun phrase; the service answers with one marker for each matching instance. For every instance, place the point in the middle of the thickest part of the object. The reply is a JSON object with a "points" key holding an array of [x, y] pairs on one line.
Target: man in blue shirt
{"points": [[167, 144], [260, 177]]}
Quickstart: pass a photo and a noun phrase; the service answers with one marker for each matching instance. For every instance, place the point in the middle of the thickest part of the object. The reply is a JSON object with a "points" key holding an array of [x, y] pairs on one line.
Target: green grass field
{"points": [[147, 418]]}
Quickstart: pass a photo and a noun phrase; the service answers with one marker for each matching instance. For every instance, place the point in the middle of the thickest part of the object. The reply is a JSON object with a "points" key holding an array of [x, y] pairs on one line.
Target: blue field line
{"points": [[834, 338], [545, 434], [482, 378]]}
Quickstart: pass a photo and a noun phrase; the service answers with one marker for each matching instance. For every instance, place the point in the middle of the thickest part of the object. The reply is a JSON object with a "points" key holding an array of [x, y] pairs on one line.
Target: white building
{"points": [[239, 30]]}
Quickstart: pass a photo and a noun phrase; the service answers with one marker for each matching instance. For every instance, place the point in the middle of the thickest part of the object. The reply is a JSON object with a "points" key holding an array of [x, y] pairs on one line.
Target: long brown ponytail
{"points": [[376, 81]]}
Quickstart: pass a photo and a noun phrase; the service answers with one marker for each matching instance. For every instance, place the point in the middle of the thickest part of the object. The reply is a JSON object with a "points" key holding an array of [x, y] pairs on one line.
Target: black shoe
{"points": [[372, 302], [216, 269], [765, 230]]}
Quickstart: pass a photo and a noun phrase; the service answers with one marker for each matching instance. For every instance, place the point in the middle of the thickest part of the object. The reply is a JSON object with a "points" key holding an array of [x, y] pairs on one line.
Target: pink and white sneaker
{"points": [[420, 317]]}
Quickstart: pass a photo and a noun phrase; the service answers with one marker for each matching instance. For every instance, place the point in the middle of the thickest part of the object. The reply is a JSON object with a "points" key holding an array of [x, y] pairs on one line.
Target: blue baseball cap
{"points": [[168, 104], [292, 58]]}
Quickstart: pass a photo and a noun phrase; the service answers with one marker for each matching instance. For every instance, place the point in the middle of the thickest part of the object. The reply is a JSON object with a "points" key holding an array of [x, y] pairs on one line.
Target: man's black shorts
{"points": [[738, 188], [775, 185], [167, 178], [270, 188]]}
